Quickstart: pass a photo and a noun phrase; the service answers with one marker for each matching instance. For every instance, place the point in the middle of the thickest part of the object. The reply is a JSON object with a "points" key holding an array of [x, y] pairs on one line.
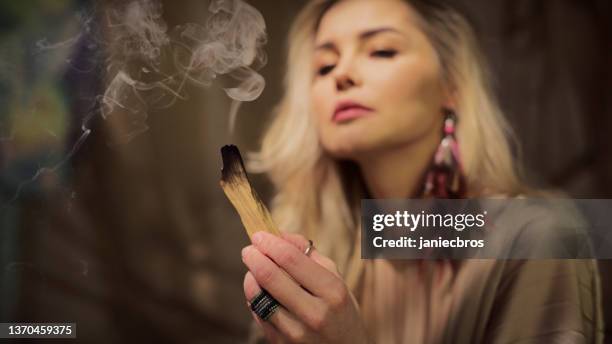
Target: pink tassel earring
{"points": [[445, 177]]}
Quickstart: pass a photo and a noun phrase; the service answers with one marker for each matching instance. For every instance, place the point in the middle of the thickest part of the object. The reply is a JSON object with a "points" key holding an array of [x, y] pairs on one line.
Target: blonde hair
{"points": [[320, 197]]}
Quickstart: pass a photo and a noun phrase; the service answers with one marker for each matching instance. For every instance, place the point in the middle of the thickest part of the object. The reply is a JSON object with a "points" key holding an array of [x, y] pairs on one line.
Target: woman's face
{"points": [[377, 79]]}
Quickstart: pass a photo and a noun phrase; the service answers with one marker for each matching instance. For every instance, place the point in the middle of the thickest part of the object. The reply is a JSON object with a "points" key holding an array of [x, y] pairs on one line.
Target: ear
{"points": [[449, 97]]}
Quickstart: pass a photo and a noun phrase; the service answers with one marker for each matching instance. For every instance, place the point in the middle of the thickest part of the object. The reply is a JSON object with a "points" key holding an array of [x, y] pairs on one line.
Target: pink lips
{"points": [[348, 110]]}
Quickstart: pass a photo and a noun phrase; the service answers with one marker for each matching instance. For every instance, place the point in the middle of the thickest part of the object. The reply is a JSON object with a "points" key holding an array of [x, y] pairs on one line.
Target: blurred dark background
{"points": [[137, 241]]}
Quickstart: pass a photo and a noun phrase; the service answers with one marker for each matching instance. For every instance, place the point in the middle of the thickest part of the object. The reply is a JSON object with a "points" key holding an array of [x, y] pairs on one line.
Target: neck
{"points": [[398, 172]]}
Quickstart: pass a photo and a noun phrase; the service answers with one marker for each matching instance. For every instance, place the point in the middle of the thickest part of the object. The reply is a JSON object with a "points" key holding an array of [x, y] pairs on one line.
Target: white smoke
{"points": [[139, 29], [229, 43], [148, 65]]}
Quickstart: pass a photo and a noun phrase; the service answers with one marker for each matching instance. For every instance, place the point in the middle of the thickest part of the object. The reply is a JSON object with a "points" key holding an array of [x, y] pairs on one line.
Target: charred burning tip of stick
{"points": [[235, 183], [233, 166]]}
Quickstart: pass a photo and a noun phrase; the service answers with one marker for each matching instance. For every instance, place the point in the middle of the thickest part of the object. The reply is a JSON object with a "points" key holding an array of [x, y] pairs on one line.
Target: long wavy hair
{"points": [[319, 196]]}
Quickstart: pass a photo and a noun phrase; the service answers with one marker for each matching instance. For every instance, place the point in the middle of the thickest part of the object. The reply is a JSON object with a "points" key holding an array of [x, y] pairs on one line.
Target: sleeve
{"points": [[547, 301]]}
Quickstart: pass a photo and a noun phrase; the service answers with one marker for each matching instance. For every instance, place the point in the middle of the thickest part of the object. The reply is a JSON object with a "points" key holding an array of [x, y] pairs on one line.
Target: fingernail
{"points": [[257, 238], [245, 251]]}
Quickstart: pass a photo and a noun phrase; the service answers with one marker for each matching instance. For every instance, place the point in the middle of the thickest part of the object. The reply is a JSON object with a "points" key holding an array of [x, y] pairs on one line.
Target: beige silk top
{"points": [[482, 301], [505, 301]]}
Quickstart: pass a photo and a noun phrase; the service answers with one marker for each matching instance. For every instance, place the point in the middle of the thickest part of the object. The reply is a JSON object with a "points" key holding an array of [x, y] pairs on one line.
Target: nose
{"points": [[344, 82], [346, 75]]}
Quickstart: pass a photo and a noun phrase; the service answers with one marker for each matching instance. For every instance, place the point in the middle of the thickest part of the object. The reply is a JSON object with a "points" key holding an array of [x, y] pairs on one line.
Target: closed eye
{"points": [[325, 69], [384, 53]]}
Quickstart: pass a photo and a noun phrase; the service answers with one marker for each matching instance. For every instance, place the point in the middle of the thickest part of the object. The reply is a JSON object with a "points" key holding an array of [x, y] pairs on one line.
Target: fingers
{"points": [[251, 289], [312, 276], [278, 283], [270, 332], [281, 323], [302, 243], [297, 240]]}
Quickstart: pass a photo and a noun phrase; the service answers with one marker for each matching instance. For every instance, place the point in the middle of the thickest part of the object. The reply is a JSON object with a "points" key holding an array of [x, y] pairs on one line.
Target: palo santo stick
{"points": [[235, 183]]}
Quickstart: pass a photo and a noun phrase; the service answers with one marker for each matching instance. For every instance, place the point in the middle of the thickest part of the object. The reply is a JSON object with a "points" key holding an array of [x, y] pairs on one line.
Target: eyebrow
{"points": [[362, 36]]}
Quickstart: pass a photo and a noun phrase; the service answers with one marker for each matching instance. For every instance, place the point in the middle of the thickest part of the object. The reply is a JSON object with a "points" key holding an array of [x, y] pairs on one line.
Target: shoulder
{"points": [[539, 228]]}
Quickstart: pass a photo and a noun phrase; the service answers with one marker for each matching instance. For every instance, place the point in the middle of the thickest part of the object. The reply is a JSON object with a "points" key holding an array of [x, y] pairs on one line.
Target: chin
{"points": [[349, 148], [352, 140]]}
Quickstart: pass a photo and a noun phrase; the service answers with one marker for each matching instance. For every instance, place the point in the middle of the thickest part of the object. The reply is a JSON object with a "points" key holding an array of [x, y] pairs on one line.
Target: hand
{"points": [[317, 307]]}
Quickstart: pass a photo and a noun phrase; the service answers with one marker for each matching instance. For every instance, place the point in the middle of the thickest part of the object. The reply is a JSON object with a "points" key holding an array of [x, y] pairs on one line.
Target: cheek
{"points": [[411, 84], [412, 95], [320, 104]]}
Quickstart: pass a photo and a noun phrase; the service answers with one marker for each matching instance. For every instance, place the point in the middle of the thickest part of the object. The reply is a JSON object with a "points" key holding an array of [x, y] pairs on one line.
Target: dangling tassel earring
{"points": [[445, 177]]}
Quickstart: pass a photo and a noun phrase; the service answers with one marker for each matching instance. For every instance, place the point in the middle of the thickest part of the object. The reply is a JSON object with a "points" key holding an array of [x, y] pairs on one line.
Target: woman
{"points": [[370, 85]]}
